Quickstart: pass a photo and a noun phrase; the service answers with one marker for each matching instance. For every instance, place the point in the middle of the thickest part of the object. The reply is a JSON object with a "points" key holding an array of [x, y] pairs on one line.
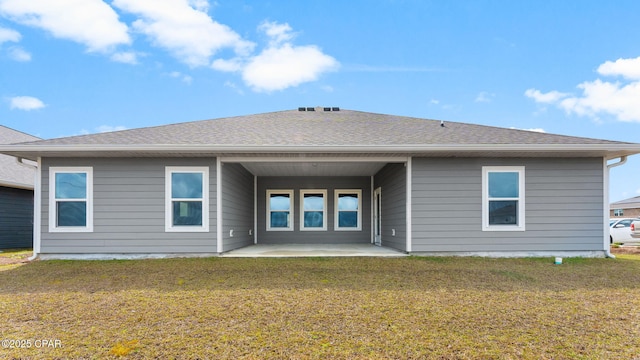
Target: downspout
{"points": [[37, 201], [21, 163], [607, 248]]}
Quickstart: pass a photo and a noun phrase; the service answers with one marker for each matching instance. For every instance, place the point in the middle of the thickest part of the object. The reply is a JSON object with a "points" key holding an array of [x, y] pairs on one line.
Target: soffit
{"points": [[313, 168]]}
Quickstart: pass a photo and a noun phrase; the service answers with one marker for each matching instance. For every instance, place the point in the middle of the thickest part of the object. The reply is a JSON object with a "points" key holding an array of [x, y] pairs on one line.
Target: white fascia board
{"points": [[628, 149], [15, 185], [320, 159]]}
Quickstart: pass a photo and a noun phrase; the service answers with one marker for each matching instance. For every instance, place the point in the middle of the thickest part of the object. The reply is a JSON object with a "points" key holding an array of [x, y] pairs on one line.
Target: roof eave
{"points": [[16, 185], [609, 151]]}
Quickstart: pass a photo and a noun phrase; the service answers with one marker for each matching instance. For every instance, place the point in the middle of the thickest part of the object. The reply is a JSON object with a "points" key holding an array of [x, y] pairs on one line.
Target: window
{"points": [[70, 199], [618, 212], [279, 210], [187, 199], [626, 223], [313, 213], [503, 198], [348, 205]]}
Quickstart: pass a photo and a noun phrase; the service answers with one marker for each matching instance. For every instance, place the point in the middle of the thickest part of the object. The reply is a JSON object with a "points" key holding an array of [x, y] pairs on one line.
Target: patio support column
{"points": [[219, 205], [255, 209], [373, 225], [409, 216], [37, 210]]}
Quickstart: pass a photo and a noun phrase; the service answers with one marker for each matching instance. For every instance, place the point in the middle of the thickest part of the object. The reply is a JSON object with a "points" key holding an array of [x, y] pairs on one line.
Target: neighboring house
{"points": [[16, 194], [626, 208], [322, 175]]}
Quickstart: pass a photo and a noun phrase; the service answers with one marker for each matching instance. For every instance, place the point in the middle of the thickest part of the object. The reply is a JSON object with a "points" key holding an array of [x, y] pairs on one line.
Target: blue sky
{"points": [[70, 67]]}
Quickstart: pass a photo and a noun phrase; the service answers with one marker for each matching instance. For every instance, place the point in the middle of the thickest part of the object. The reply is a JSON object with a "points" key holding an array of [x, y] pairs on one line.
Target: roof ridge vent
{"points": [[319, 108]]}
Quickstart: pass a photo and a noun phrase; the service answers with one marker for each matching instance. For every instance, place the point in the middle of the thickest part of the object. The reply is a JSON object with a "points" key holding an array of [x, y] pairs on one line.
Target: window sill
{"points": [[503, 228], [187, 229], [71, 230]]}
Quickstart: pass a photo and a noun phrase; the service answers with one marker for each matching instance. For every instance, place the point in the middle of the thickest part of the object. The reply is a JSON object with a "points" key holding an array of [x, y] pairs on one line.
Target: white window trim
{"points": [[291, 211], [336, 224], [521, 198], [324, 210], [53, 209], [169, 227]]}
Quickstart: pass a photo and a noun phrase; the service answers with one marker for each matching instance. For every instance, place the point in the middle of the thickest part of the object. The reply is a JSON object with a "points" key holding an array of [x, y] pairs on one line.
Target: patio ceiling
{"points": [[313, 168]]}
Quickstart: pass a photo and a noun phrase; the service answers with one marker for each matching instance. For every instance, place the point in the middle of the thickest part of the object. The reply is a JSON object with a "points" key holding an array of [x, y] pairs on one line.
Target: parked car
{"points": [[635, 230], [620, 230]]}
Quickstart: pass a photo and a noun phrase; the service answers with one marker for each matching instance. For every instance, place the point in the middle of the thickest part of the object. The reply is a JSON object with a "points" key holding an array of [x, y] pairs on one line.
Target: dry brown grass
{"points": [[12, 258], [317, 308]]}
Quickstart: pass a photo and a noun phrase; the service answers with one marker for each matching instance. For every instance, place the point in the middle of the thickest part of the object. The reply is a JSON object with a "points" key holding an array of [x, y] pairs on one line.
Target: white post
{"points": [[37, 210], [219, 204], [409, 225]]}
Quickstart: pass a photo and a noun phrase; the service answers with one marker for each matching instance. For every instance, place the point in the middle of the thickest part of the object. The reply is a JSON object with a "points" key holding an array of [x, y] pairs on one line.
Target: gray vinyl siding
{"points": [[237, 206], [392, 179], [129, 209], [563, 200], [16, 218], [314, 237]]}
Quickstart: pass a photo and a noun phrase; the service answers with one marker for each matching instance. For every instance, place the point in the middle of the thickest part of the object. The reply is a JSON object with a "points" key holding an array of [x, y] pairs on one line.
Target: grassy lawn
{"points": [[317, 308], [12, 258]]}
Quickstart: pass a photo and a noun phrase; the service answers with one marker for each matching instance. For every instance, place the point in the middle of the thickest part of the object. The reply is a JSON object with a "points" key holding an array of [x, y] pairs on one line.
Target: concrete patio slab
{"points": [[314, 250]]}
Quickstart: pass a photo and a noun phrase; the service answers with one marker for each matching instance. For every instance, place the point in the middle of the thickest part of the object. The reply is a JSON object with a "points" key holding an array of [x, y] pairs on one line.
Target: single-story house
{"points": [[322, 176], [625, 208], [16, 194]]}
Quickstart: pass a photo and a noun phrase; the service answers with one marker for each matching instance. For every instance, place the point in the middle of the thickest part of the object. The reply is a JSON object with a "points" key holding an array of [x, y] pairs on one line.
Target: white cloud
{"points": [[125, 57], [184, 78], [19, 54], [619, 99], [538, 130], [545, 98], [90, 22], [599, 96], [327, 88], [181, 27], [484, 96], [234, 87], [15, 52], [7, 35], [187, 32], [282, 65], [277, 33], [628, 68], [200, 5], [278, 68], [26, 103], [109, 128]]}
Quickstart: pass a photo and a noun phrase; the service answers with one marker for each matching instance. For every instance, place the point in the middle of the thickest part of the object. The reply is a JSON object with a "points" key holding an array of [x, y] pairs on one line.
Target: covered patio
{"points": [[313, 250], [310, 204]]}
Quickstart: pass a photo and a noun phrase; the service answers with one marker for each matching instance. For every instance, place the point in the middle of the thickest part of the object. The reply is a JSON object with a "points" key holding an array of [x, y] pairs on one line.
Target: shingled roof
{"points": [[318, 131], [631, 203], [344, 127], [11, 173]]}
